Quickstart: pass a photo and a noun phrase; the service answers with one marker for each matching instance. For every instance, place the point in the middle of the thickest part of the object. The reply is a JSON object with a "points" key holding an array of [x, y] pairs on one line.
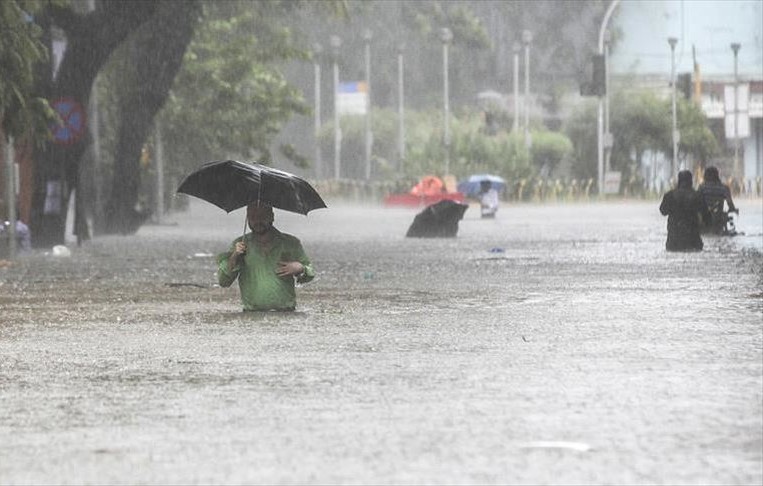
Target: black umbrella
{"points": [[439, 220], [230, 185]]}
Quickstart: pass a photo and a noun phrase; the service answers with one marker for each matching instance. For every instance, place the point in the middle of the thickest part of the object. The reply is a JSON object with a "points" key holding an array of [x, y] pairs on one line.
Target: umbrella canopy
{"points": [[472, 184], [439, 220], [230, 185], [428, 186]]}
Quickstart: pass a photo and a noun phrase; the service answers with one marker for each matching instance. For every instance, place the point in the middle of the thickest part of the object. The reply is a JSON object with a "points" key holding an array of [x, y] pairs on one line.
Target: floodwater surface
{"points": [[556, 344]]}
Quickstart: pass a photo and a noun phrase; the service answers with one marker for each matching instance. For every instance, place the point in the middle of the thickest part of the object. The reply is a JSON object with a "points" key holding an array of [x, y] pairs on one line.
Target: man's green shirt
{"points": [[261, 288]]}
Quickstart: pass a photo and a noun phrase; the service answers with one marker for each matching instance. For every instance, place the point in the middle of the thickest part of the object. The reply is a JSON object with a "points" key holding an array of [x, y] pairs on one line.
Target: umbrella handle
{"points": [[244, 234]]}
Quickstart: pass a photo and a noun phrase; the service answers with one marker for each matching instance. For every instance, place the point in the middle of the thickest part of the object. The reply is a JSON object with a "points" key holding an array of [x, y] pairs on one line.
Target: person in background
{"points": [[715, 194], [488, 198], [684, 206], [266, 263], [23, 234]]}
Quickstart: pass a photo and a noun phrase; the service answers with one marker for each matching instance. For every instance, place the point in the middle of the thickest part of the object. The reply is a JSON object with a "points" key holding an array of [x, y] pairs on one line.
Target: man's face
{"points": [[260, 218]]}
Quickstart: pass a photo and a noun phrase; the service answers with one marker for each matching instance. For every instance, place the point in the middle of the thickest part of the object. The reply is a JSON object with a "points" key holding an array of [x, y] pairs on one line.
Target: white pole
{"points": [[400, 108], [367, 38], [516, 48], [317, 115], [600, 114], [159, 173], [95, 131], [335, 43], [672, 41], [526, 40], [737, 173], [446, 37], [608, 134], [10, 196]]}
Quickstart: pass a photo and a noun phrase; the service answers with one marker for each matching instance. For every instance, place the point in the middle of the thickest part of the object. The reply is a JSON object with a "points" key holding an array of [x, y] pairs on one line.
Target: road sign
{"points": [[352, 98], [612, 182], [73, 121]]}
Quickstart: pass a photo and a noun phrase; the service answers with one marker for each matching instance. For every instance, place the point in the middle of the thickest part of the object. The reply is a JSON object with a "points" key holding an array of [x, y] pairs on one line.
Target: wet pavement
{"points": [[553, 345]]}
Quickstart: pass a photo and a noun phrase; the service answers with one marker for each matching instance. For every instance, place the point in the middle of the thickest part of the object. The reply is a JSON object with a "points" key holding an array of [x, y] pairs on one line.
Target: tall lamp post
{"points": [[673, 41], [446, 36], [336, 42], [527, 38], [516, 48], [608, 142], [367, 35], [735, 47], [10, 195], [600, 115], [400, 108], [317, 50]]}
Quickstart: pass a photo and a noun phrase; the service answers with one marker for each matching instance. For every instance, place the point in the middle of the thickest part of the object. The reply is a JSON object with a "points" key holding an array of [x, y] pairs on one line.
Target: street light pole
{"points": [[367, 35], [607, 133], [317, 49], [673, 41], [735, 47], [600, 114], [527, 38], [10, 195], [400, 108], [335, 43], [516, 48], [446, 36]]}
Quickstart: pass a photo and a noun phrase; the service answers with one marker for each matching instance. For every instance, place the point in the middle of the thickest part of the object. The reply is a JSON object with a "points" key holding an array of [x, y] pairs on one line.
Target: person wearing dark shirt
{"points": [[684, 206], [715, 194]]}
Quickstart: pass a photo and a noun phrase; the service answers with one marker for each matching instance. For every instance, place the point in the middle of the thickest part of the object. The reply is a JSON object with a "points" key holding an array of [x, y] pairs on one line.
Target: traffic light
{"points": [[599, 75], [597, 86], [683, 84]]}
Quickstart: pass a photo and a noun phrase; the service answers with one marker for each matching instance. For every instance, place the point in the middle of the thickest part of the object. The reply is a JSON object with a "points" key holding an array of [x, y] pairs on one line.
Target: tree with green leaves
{"points": [[146, 70], [640, 122], [227, 99], [22, 113], [88, 38]]}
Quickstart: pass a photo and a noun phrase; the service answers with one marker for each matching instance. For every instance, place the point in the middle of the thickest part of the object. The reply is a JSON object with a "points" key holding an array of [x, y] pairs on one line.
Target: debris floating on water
{"points": [[556, 444], [61, 251]]}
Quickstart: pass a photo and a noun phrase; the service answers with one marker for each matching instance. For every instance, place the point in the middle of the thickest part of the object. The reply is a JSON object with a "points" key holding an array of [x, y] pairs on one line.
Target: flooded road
{"points": [[555, 344]]}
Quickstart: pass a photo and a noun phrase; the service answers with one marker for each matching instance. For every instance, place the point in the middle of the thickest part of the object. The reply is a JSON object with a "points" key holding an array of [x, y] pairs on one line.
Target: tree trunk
{"points": [[157, 51], [90, 40]]}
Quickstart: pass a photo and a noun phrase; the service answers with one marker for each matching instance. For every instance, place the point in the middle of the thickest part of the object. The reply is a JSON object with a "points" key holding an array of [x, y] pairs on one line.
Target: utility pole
{"points": [[527, 38], [317, 49], [673, 41], [735, 47], [607, 134], [10, 195], [159, 172], [367, 35], [600, 116], [516, 48], [335, 43], [446, 36], [400, 108]]}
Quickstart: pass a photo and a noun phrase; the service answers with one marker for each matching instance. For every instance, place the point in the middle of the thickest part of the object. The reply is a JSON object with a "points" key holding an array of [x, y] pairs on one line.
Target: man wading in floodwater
{"points": [[684, 206], [266, 263]]}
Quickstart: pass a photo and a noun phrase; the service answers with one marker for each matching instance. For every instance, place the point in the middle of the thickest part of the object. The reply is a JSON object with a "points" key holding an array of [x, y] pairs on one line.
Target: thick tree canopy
{"points": [[89, 40], [21, 49]]}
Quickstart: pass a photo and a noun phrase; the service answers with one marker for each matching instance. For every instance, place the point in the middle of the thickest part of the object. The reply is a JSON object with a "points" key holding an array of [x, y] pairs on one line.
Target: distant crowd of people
{"points": [[692, 212]]}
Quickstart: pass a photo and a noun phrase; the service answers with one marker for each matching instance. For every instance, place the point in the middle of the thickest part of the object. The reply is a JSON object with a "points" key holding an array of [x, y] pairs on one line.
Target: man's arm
{"points": [[308, 273], [229, 264], [729, 201], [665, 206]]}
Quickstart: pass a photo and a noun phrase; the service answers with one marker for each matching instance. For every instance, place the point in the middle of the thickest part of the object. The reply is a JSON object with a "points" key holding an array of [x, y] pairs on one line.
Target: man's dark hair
{"points": [[684, 179], [711, 174]]}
